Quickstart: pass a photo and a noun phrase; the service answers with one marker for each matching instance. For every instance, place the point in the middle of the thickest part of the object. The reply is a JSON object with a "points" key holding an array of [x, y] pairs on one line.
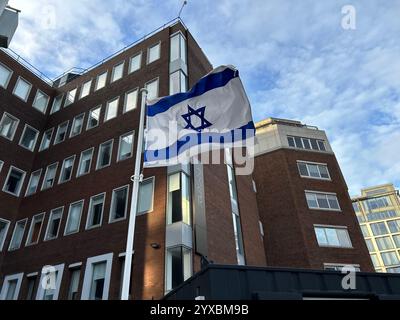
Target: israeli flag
{"points": [[214, 114]]}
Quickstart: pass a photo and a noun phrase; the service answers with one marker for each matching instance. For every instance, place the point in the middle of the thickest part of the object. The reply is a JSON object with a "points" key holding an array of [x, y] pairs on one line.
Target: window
{"points": [[22, 89], [54, 223], [152, 88], [135, 62], [18, 234], [118, 72], [333, 237], [86, 89], [28, 138], [11, 287], [41, 101], [125, 148], [31, 287], [94, 118], [365, 231], [111, 109], [77, 125], [33, 183], [178, 266], [394, 226], [66, 170], [74, 218], [146, 196], [396, 239], [379, 228], [153, 53], [101, 81], [104, 156], [85, 162], [390, 258], [370, 245], [237, 230], [393, 270], [50, 289], [49, 176], [178, 198], [70, 98], [119, 204], [5, 76], [375, 260], [74, 284], [61, 132], [4, 225], [178, 47], [95, 214], [322, 201], [14, 181], [177, 82], [96, 283], [35, 229], [340, 267], [384, 243], [306, 143], [378, 203], [313, 170], [8, 126], [57, 104], [46, 139], [131, 99]]}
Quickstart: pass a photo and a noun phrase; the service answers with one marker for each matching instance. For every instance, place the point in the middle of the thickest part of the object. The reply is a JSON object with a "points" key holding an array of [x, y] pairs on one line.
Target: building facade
{"points": [[66, 161], [378, 212]]}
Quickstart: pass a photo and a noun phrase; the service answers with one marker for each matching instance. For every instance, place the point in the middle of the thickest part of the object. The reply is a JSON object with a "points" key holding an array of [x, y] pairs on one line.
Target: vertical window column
{"points": [[178, 64]]}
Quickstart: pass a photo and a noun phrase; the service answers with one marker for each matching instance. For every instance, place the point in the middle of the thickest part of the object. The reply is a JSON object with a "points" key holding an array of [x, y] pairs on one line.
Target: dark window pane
{"points": [[176, 206], [314, 144], [291, 142]]}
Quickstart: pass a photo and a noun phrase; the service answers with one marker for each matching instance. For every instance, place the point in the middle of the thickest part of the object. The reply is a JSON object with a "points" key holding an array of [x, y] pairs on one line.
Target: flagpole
{"points": [[126, 280]]}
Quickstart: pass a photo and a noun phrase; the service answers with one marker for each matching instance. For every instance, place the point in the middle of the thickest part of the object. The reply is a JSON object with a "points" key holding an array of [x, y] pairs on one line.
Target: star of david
{"points": [[196, 113]]}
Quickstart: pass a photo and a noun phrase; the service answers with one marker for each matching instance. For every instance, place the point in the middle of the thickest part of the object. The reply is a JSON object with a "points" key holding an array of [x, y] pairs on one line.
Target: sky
{"points": [[296, 58]]}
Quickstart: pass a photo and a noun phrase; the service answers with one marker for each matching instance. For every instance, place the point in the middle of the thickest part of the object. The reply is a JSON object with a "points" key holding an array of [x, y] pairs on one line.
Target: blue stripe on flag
{"points": [[209, 82], [194, 139]]}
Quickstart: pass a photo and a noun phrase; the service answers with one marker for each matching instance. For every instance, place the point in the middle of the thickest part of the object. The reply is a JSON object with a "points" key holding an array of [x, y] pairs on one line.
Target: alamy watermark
{"points": [[349, 18]]}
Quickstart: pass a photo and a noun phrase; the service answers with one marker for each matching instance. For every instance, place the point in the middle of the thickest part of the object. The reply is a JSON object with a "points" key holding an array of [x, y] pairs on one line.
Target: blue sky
{"points": [[295, 59]]}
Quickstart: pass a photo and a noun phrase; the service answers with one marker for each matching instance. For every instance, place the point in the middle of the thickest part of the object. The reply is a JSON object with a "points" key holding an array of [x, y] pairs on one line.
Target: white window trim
{"points": [[73, 124], [126, 99], [9, 77], [1, 164], [80, 162], [36, 138], [16, 126], [48, 224], [68, 218], [62, 168], [22, 181], [83, 85], [41, 141], [87, 227], [110, 220], [97, 81], [107, 105], [318, 164], [61, 104], [67, 95], [30, 180], [5, 286], [341, 265], [140, 53], [148, 53], [57, 132], [119, 145], [40, 291], [23, 234], [333, 227], [45, 175], [323, 193], [113, 71], [29, 91], [87, 280], [8, 223], [158, 84], [47, 103], [98, 121], [75, 265], [43, 214], [98, 154], [152, 197]]}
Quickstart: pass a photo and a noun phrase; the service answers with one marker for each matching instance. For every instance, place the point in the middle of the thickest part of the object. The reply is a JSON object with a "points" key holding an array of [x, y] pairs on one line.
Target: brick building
{"points": [[66, 161]]}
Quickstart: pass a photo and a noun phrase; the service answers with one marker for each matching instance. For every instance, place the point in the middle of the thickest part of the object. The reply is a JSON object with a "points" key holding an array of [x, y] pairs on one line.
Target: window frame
{"points": [[112, 80], [66, 101], [30, 231], [326, 194], [336, 228], [41, 141], [55, 176], [148, 52], [62, 169], [89, 116], [98, 154], [16, 126], [8, 223], [110, 215], [153, 178], [30, 180], [138, 54], [83, 115], [51, 214], [107, 109], [126, 100], [52, 111], [55, 142], [158, 86], [25, 221], [5, 287], [41, 291], [22, 181], [317, 164], [119, 145], [96, 88], [83, 86], [35, 99], [89, 213], [22, 136], [68, 217], [9, 76], [29, 91], [80, 163]]}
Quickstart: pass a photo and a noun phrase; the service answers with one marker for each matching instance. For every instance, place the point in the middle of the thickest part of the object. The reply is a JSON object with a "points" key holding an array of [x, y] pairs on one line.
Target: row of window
{"points": [[337, 237], [389, 259], [384, 243], [381, 228], [15, 177], [306, 143], [94, 219]]}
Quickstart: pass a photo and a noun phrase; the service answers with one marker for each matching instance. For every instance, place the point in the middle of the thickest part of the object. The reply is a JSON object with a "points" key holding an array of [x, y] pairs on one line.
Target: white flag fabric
{"points": [[215, 113]]}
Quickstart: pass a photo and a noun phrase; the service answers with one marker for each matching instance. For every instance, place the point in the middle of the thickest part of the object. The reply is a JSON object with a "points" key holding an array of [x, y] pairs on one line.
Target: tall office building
{"points": [[66, 161], [378, 212]]}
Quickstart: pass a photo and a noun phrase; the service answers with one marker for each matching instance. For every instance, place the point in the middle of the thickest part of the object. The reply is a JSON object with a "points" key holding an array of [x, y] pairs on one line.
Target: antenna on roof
{"points": [[183, 5]]}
